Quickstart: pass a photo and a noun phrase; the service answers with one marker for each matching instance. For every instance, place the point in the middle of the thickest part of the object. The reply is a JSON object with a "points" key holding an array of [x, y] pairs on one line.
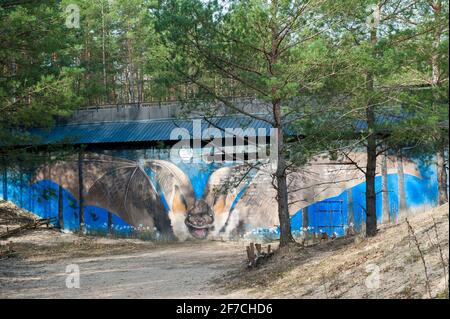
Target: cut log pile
{"points": [[256, 255]]}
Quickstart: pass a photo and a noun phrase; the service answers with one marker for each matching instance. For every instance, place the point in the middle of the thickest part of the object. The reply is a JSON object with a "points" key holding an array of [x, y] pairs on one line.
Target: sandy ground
{"points": [[172, 271], [37, 261], [386, 266]]}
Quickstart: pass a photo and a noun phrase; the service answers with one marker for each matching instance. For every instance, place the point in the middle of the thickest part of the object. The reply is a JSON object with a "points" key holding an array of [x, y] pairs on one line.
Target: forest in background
{"points": [[322, 66]]}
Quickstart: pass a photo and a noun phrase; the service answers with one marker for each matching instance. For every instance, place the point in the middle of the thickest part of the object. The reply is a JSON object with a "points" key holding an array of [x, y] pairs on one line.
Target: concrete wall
{"points": [[164, 110], [247, 211]]}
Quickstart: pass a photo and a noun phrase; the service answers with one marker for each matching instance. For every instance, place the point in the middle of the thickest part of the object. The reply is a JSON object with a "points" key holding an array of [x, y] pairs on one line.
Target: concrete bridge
{"points": [[125, 136]]}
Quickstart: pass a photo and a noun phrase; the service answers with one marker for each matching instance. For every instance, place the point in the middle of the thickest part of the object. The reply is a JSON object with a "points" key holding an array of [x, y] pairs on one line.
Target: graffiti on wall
{"points": [[207, 200]]}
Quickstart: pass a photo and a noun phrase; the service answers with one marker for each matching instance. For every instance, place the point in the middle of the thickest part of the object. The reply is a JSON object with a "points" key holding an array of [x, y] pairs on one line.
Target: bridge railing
{"points": [[236, 99], [160, 110]]}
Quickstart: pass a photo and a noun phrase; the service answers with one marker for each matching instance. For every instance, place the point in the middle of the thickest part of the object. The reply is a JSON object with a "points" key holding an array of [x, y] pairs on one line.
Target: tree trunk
{"points": [[371, 149], [5, 184], [105, 80], [371, 211], [60, 208], [442, 177], [81, 191], [401, 185], [130, 65], [435, 69], [350, 212], [21, 186], [385, 191], [110, 228], [436, 83], [305, 220], [283, 211], [282, 188], [280, 174]]}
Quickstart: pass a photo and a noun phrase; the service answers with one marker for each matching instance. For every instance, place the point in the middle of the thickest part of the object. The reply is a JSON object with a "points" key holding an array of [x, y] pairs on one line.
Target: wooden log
{"points": [[258, 248], [268, 249], [250, 256], [31, 225], [252, 247]]}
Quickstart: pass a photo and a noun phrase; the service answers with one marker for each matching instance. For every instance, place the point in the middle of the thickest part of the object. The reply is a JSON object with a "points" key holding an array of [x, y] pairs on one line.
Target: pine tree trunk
{"points": [[5, 184], [371, 211], [371, 149], [442, 177], [305, 220], [385, 191], [60, 208], [110, 227], [105, 80], [283, 211], [282, 188], [280, 174], [130, 66], [436, 7], [350, 212], [401, 185], [81, 191]]}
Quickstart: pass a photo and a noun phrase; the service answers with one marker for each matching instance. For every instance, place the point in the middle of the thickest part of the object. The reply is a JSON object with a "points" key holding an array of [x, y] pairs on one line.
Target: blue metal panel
{"points": [[137, 131]]}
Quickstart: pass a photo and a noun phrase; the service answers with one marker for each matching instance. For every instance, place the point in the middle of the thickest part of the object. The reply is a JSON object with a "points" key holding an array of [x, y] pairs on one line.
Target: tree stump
{"points": [[253, 258]]}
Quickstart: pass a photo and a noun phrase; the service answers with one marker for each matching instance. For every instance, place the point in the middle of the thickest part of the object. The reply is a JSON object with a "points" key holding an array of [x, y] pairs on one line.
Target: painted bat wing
{"points": [[320, 179], [118, 185], [65, 172], [129, 193], [178, 192], [258, 206], [328, 178], [174, 184], [223, 186]]}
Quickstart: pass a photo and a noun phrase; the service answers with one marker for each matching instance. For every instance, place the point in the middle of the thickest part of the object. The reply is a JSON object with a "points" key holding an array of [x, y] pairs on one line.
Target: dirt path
{"points": [[171, 272]]}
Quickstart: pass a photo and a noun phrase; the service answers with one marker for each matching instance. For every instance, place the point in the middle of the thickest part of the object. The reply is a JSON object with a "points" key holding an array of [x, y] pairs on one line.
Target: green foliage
{"points": [[37, 79], [147, 50]]}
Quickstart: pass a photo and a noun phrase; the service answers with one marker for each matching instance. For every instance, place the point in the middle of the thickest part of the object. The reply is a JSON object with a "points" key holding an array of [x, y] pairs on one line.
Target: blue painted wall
{"points": [[330, 215]]}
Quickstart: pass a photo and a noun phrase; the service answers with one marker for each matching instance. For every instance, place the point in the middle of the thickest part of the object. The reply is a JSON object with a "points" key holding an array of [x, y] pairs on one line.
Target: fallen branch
{"points": [[30, 225], [416, 242]]}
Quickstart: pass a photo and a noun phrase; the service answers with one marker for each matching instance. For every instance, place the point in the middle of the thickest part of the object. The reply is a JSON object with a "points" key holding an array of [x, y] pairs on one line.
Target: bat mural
{"points": [[129, 189], [119, 185], [159, 195]]}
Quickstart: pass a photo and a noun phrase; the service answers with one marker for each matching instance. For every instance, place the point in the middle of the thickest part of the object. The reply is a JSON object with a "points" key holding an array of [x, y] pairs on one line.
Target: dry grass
{"points": [[341, 269]]}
